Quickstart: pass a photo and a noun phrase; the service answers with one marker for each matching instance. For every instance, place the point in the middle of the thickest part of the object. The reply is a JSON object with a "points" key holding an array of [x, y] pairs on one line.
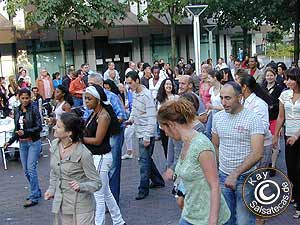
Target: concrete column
{"points": [[183, 46], [229, 46], [147, 50], [78, 53], [253, 44], [91, 54], [136, 57], [222, 47], [191, 48], [7, 61]]}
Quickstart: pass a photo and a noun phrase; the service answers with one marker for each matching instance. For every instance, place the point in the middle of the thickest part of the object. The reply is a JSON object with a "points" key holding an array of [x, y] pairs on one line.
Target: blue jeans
{"points": [[116, 143], [148, 169], [183, 222], [29, 154], [240, 215]]}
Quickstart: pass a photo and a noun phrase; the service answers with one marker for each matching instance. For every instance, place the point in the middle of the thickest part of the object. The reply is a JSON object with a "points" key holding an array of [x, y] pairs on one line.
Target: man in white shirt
{"points": [[111, 67], [238, 137], [155, 81], [131, 67]]}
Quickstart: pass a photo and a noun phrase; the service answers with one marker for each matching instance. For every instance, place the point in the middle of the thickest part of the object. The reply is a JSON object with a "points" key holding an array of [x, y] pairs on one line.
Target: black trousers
{"points": [[292, 159], [164, 141]]}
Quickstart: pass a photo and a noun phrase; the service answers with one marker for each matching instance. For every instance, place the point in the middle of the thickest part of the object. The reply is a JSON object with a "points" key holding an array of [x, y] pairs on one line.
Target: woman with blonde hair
{"points": [[196, 166], [12, 86]]}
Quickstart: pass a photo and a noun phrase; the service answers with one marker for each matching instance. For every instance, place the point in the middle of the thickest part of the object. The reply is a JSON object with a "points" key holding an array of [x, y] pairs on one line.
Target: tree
{"points": [[172, 10], [81, 15], [246, 14], [286, 16], [275, 37]]}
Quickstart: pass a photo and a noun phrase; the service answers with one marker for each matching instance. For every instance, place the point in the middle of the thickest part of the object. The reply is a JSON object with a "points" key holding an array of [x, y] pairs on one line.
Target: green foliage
{"points": [[244, 13], [281, 50], [83, 15], [175, 8], [275, 37]]}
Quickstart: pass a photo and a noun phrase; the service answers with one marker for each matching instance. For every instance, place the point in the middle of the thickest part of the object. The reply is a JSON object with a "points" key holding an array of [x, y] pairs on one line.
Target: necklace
{"points": [[65, 149], [92, 117], [67, 146]]}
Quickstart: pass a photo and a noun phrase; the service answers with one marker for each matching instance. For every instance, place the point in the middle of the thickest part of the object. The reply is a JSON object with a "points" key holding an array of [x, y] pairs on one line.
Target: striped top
{"points": [[292, 112], [143, 114], [235, 131]]}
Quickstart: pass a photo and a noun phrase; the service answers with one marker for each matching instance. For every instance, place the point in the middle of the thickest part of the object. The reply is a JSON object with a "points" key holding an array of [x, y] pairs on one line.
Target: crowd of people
{"points": [[215, 128]]}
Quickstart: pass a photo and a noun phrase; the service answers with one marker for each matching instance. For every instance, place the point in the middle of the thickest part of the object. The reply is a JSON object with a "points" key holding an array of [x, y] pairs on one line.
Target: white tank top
{"points": [[59, 110]]}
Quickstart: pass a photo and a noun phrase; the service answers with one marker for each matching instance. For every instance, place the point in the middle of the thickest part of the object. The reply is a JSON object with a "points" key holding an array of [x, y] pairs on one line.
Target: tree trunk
{"points": [[173, 44], [62, 50], [245, 41], [296, 35]]}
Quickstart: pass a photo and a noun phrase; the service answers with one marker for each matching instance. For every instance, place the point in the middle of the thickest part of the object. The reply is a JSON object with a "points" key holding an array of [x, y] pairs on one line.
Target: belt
{"points": [[25, 139]]}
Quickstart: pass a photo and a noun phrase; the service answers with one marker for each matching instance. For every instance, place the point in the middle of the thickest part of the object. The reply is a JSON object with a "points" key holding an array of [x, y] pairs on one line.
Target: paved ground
{"points": [[158, 209]]}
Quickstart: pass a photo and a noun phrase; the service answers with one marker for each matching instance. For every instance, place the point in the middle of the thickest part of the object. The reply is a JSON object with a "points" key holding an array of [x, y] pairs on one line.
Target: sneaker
{"points": [[127, 156], [297, 215]]}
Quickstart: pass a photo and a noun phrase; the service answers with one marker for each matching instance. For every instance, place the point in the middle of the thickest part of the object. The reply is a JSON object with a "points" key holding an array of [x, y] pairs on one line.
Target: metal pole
{"points": [[197, 44], [210, 41]]}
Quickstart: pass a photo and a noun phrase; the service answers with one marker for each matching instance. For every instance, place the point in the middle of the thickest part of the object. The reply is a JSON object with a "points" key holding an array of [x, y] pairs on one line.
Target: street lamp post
{"points": [[196, 11], [210, 28]]}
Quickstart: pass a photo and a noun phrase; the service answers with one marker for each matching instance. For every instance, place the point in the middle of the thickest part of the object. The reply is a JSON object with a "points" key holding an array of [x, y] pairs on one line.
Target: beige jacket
{"points": [[78, 166], [259, 76]]}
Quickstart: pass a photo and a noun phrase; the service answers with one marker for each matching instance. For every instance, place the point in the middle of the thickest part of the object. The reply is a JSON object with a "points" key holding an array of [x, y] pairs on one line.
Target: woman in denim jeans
{"points": [[28, 125]]}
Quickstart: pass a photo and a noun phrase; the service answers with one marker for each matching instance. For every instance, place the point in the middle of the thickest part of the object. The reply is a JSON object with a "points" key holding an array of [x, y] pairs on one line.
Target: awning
{"points": [[7, 31]]}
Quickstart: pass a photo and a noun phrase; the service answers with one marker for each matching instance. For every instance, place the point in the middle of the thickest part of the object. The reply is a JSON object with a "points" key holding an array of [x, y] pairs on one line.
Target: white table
{"points": [[7, 127]]}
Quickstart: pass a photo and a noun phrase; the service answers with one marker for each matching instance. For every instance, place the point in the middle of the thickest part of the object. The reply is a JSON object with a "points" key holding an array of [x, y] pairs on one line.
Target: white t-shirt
{"points": [[260, 107], [292, 112], [154, 89], [214, 99], [235, 131]]}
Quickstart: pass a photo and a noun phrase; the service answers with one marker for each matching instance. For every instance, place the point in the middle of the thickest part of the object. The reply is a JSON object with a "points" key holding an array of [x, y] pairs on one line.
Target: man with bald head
{"points": [[185, 84], [238, 137]]}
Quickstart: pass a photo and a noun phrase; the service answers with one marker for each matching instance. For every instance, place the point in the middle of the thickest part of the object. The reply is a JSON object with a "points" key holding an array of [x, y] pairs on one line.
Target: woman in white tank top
{"points": [[64, 103]]}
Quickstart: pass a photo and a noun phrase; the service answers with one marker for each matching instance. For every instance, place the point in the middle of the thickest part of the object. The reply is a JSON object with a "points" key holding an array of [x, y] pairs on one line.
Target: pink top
{"points": [[204, 93]]}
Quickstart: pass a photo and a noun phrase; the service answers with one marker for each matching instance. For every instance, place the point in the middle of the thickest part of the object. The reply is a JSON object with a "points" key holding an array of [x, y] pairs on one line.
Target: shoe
{"points": [[29, 203], [296, 215], [152, 186], [141, 196], [127, 156]]}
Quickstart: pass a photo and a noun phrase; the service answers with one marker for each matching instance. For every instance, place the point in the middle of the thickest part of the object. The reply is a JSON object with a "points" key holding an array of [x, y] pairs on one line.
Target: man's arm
{"points": [[151, 117]]}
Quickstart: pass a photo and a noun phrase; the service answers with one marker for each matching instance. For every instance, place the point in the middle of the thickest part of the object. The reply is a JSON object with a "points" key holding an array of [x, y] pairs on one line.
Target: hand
{"points": [[168, 174], [48, 195], [275, 141], [5, 146], [210, 107], [291, 140], [20, 132], [230, 181], [146, 144], [74, 185], [128, 122]]}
